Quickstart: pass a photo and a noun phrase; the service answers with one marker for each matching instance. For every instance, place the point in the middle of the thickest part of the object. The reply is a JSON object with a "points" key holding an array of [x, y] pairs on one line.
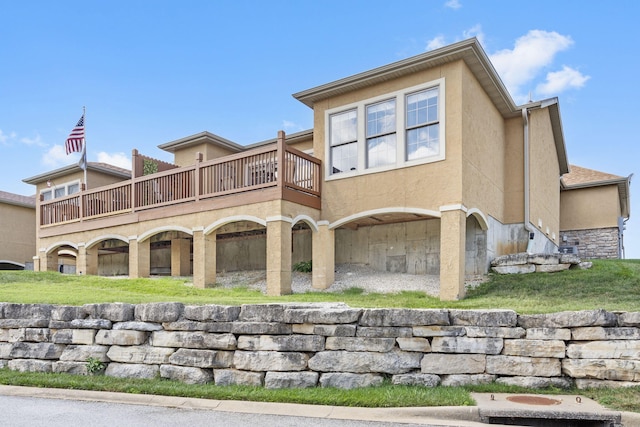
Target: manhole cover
{"points": [[533, 400]]}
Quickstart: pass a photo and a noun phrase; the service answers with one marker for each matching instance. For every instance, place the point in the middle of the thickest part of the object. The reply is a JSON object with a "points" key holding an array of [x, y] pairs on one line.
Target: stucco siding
{"points": [[483, 142], [514, 172], [577, 211], [425, 186], [187, 156], [544, 176], [17, 233]]}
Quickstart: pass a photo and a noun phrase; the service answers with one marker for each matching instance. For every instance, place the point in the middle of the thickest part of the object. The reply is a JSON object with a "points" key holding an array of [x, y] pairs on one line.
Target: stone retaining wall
{"points": [[328, 345]]}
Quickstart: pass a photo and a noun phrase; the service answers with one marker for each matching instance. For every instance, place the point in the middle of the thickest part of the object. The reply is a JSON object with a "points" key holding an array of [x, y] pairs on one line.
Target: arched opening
{"points": [[301, 245], [171, 254], [62, 258], [241, 246], [476, 258], [113, 257], [400, 240], [11, 265]]}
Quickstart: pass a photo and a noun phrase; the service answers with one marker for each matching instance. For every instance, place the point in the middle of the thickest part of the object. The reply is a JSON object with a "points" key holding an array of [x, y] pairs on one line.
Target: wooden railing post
{"points": [[134, 162], [81, 202], [280, 155], [196, 176]]}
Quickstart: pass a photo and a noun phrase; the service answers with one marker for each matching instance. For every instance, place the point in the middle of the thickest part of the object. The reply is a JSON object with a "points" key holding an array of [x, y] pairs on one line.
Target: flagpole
{"points": [[84, 148]]}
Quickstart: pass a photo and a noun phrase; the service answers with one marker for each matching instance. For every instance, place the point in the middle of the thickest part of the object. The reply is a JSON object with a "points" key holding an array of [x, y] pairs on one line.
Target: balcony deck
{"points": [[262, 174]]}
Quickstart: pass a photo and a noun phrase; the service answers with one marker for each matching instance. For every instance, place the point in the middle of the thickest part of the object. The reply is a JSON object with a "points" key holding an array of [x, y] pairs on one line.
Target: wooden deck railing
{"points": [[264, 167]]}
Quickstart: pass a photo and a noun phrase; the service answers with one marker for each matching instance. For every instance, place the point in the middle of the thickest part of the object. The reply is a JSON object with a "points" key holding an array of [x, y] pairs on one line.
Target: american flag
{"points": [[76, 137]]}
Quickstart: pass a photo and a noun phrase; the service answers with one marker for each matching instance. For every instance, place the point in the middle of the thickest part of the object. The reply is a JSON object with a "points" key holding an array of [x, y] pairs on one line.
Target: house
{"points": [[423, 166], [17, 231], [594, 209]]}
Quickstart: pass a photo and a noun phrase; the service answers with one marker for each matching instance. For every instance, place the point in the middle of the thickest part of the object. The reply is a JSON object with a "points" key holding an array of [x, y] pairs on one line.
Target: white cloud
{"points": [[559, 81], [440, 40], [33, 141], [453, 4], [521, 68], [56, 156], [531, 54], [475, 31], [290, 126], [436, 42], [116, 159], [4, 138]]}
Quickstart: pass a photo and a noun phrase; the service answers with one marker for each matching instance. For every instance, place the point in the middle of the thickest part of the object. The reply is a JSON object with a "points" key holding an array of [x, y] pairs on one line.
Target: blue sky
{"points": [[150, 72]]}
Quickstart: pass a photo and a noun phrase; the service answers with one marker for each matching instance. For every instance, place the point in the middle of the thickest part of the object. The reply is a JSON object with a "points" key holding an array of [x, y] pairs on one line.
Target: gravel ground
{"points": [[347, 276]]}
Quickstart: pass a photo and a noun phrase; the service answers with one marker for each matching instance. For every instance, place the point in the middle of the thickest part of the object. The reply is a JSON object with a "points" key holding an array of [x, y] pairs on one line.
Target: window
{"points": [[344, 134], [57, 191], [73, 188], [423, 130], [394, 130], [381, 134]]}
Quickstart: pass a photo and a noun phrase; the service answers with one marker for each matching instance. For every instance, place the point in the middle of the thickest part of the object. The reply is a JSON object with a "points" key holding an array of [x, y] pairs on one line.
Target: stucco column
{"points": [[87, 262], [278, 256], [49, 261], [452, 252], [204, 259], [323, 256], [180, 257], [139, 258], [36, 263]]}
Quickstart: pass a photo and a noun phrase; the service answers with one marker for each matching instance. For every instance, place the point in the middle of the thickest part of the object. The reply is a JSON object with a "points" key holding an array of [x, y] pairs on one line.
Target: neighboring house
{"points": [[423, 166], [594, 208], [17, 231]]}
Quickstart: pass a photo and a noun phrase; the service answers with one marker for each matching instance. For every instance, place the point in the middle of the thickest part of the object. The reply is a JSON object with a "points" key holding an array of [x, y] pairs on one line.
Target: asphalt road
{"points": [[16, 411]]}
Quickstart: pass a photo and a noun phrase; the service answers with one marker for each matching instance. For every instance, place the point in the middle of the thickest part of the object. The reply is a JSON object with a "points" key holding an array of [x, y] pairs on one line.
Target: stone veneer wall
{"points": [[329, 345], [600, 243]]}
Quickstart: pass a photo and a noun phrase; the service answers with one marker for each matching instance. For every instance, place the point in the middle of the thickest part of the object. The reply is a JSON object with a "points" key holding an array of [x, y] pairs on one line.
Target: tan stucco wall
{"points": [[514, 171], [483, 142], [94, 180], [17, 233], [303, 144], [187, 156], [577, 208], [426, 186], [544, 176]]}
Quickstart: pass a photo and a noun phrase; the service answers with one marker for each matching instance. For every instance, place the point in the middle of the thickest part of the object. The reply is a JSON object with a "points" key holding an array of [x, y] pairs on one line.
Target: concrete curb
{"points": [[460, 416], [441, 416]]}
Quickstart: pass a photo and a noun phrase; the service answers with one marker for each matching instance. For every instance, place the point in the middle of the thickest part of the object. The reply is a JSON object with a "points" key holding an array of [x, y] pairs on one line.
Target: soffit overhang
{"points": [[198, 139], [469, 51], [74, 168]]}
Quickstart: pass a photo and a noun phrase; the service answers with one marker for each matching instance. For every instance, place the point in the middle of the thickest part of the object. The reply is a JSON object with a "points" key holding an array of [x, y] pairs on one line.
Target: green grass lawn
{"points": [[612, 285]]}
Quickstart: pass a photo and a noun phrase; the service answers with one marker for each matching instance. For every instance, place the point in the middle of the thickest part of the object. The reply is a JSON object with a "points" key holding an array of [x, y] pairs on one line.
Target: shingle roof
{"points": [[578, 175], [17, 199]]}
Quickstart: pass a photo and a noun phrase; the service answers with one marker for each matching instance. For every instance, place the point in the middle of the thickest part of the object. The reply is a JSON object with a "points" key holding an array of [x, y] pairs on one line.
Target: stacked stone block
{"points": [[523, 263], [328, 345]]}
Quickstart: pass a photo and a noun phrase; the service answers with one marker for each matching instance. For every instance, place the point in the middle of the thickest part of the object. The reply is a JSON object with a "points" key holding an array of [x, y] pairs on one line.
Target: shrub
{"points": [[303, 266]]}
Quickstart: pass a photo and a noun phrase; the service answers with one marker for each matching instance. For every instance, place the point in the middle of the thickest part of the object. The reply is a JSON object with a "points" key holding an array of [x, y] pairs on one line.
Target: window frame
{"points": [[52, 190], [401, 130]]}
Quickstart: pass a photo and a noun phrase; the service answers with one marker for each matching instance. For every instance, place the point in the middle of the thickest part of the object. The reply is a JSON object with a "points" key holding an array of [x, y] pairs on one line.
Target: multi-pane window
{"points": [[423, 127], [392, 130], [344, 141], [381, 133], [62, 190]]}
